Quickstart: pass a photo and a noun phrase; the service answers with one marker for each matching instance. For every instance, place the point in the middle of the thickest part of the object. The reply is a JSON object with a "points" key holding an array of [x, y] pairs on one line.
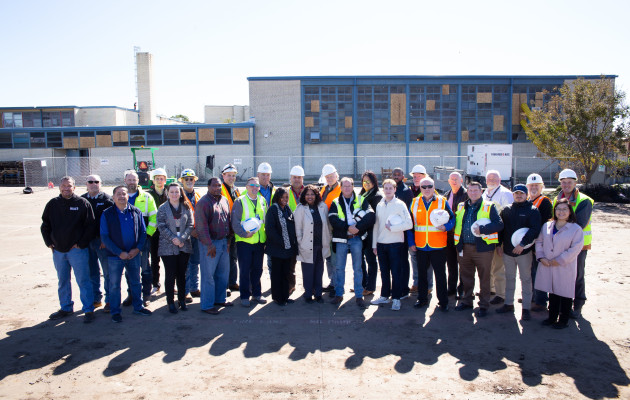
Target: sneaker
{"points": [[143, 312], [155, 289], [395, 305], [497, 300], [116, 318], [106, 309], [97, 304], [245, 302], [381, 300], [60, 314], [526, 316], [259, 300], [505, 309], [88, 317], [195, 293], [404, 296], [127, 302]]}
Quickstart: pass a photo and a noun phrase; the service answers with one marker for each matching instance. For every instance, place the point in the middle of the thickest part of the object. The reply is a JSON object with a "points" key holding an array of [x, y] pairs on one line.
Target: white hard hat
{"points": [[394, 220], [518, 236], [479, 222], [251, 224], [439, 217], [328, 169], [158, 171], [567, 173], [297, 171], [418, 169], [229, 168], [534, 178], [264, 168]]}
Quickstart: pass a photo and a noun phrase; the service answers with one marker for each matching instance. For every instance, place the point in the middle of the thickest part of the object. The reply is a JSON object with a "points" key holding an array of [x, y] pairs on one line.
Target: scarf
{"points": [[285, 231]]}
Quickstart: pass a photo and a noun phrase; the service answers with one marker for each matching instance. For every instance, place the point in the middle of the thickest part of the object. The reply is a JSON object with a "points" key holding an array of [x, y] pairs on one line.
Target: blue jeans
{"points": [[192, 272], [147, 274], [132, 273], [77, 260], [356, 253], [214, 274], [250, 263], [390, 259], [98, 255]]}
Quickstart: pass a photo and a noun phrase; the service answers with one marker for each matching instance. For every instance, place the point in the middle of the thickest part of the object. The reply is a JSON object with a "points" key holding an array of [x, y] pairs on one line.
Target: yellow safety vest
{"points": [[484, 212], [146, 203], [588, 233], [293, 201], [358, 202], [251, 211]]}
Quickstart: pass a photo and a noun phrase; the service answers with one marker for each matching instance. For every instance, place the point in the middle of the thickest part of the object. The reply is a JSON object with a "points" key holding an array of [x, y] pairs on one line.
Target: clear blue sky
{"points": [[81, 52]]}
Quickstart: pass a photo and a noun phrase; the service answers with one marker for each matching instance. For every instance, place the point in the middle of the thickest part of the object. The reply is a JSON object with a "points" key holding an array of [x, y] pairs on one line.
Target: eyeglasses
{"points": [[93, 181], [189, 179], [253, 185], [427, 187], [367, 182]]}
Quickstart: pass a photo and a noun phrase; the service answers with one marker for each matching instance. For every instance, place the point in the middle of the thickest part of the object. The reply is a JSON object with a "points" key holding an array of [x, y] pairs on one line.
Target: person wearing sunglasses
{"points": [[429, 241], [188, 179], [100, 201]]}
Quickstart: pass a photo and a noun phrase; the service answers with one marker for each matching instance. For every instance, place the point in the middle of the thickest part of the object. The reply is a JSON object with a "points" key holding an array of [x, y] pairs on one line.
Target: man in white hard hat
{"points": [[329, 193], [158, 176], [456, 195], [583, 207], [296, 179], [266, 186], [515, 216], [188, 179], [231, 193], [418, 173], [501, 196], [535, 186]]}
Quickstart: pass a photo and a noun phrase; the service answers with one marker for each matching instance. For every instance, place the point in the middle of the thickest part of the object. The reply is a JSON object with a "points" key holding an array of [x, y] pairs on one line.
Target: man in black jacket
{"points": [[67, 228], [350, 216], [158, 192], [99, 201], [406, 195], [518, 215], [457, 194]]}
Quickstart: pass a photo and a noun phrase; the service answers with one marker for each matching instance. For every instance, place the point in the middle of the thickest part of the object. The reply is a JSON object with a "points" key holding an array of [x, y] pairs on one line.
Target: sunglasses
{"points": [[427, 187], [254, 185], [189, 179], [93, 181]]}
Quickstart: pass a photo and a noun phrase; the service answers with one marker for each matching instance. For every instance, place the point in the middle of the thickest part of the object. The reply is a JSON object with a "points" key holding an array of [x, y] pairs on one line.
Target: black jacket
{"points": [[374, 196], [99, 204], [460, 197], [340, 226], [274, 247], [66, 222], [159, 198], [516, 216], [496, 225], [404, 193]]}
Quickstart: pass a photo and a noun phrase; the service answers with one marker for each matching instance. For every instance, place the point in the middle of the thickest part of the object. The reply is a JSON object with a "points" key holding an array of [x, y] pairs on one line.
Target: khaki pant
{"points": [[469, 262], [497, 275], [524, 265]]}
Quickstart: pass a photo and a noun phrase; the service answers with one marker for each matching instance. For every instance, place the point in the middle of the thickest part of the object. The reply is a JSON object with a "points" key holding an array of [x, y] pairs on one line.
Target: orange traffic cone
{"points": [[51, 185]]}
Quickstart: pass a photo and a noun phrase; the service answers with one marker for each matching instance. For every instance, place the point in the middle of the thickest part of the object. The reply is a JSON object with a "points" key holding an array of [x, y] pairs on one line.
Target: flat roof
{"points": [[42, 108], [458, 77]]}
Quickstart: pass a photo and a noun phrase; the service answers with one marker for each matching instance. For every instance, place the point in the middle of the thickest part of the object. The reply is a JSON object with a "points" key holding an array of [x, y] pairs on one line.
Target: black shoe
{"points": [[188, 299], [195, 293], [60, 314], [505, 309], [127, 302], [183, 306], [329, 288], [497, 300], [224, 304], [319, 299], [360, 303], [526, 316], [280, 303], [451, 293], [88, 317], [420, 304], [444, 308], [290, 301], [212, 311], [143, 312], [482, 312], [462, 307], [117, 318], [337, 300], [172, 309], [560, 325], [228, 293], [309, 299], [548, 322], [234, 287], [575, 314], [332, 293]]}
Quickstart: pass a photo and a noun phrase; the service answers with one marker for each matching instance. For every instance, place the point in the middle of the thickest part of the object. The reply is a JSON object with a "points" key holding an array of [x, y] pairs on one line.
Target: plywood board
{"points": [[87, 142], [121, 136], [446, 90], [190, 135], [523, 98], [348, 122], [240, 134], [484, 97], [430, 105], [539, 103], [539, 95], [498, 123], [309, 122], [71, 143], [465, 136], [516, 109], [314, 105], [398, 109], [104, 140], [205, 135]]}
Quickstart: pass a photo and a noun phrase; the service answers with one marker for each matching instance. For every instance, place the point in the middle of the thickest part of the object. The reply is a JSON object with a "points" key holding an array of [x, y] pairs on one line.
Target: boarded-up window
{"points": [[240, 135], [87, 142], [190, 135], [121, 136], [539, 99], [348, 122], [398, 109], [205, 135], [446, 90], [309, 122], [516, 109], [430, 105], [523, 98], [70, 143], [465, 136], [314, 105], [103, 139], [484, 97], [497, 125]]}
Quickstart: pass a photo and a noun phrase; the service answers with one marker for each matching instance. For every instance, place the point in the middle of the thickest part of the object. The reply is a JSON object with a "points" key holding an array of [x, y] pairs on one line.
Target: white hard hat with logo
{"points": [[158, 171], [567, 173], [251, 224], [534, 178], [328, 169], [418, 169], [297, 171], [264, 168]]}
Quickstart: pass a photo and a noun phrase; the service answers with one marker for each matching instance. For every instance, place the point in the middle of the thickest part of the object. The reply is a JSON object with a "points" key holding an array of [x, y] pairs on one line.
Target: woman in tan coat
{"points": [[313, 237], [557, 247]]}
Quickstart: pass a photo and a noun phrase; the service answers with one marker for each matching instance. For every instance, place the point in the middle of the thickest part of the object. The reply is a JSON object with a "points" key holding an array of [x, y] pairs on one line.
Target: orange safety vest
{"points": [[334, 194], [539, 200], [225, 193], [424, 231], [190, 204]]}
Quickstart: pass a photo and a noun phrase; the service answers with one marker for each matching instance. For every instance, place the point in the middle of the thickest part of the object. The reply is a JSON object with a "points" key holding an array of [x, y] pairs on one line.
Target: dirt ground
{"points": [[305, 350]]}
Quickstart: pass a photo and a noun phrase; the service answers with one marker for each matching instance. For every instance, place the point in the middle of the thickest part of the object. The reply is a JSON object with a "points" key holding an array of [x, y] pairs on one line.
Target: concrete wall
{"points": [[105, 116], [223, 114], [146, 106]]}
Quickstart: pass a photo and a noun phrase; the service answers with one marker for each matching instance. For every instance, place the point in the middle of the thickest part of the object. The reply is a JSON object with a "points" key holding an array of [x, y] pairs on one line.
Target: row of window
{"points": [[132, 137], [36, 119]]}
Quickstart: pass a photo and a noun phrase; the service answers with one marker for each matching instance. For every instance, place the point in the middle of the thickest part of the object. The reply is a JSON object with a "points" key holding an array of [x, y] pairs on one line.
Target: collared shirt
{"points": [[266, 192], [469, 219], [126, 228], [500, 196], [212, 219], [347, 203], [191, 197], [133, 197]]}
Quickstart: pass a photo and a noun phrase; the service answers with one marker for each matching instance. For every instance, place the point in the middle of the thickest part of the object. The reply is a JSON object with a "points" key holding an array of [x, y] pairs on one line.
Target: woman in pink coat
{"points": [[557, 247]]}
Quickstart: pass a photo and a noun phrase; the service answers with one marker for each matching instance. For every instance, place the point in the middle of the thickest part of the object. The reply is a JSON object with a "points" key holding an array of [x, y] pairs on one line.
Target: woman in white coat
{"points": [[313, 237], [557, 247]]}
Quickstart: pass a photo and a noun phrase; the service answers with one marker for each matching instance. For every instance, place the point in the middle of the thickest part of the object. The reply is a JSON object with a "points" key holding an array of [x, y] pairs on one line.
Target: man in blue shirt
{"points": [[123, 232]]}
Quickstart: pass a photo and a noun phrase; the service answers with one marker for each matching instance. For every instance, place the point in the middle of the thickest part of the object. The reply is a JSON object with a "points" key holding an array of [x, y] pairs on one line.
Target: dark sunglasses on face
{"points": [[189, 179], [427, 187], [94, 181]]}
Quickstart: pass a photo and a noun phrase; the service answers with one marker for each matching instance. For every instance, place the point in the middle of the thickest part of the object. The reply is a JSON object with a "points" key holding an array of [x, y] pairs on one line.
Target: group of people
{"points": [[403, 231]]}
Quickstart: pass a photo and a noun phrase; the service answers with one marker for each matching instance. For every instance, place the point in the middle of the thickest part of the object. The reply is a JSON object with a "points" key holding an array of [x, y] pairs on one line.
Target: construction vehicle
{"points": [[143, 168]]}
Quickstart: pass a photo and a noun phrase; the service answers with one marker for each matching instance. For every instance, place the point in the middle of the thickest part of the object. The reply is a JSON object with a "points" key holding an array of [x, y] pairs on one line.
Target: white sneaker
{"points": [[396, 305], [380, 300]]}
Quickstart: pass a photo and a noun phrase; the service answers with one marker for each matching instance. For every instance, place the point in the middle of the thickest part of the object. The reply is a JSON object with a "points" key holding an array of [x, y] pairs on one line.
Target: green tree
{"points": [[585, 121], [182, 117]]}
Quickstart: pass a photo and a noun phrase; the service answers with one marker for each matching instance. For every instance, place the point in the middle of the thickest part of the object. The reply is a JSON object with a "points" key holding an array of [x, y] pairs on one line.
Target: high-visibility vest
{"points": [[273, 192], [484, 212], [146, 204], [293, 200], [425, 232], [191, 205], [332, 196], [588, 233], [539, 201], [251, 211], [358, 203], [226, 193]]}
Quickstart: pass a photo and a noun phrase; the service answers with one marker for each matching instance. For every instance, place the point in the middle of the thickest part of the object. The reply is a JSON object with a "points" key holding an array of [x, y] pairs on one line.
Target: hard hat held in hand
{"points": [[394, 220], [479, 222], [518, 236], [251, 224], [439, 217]]}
